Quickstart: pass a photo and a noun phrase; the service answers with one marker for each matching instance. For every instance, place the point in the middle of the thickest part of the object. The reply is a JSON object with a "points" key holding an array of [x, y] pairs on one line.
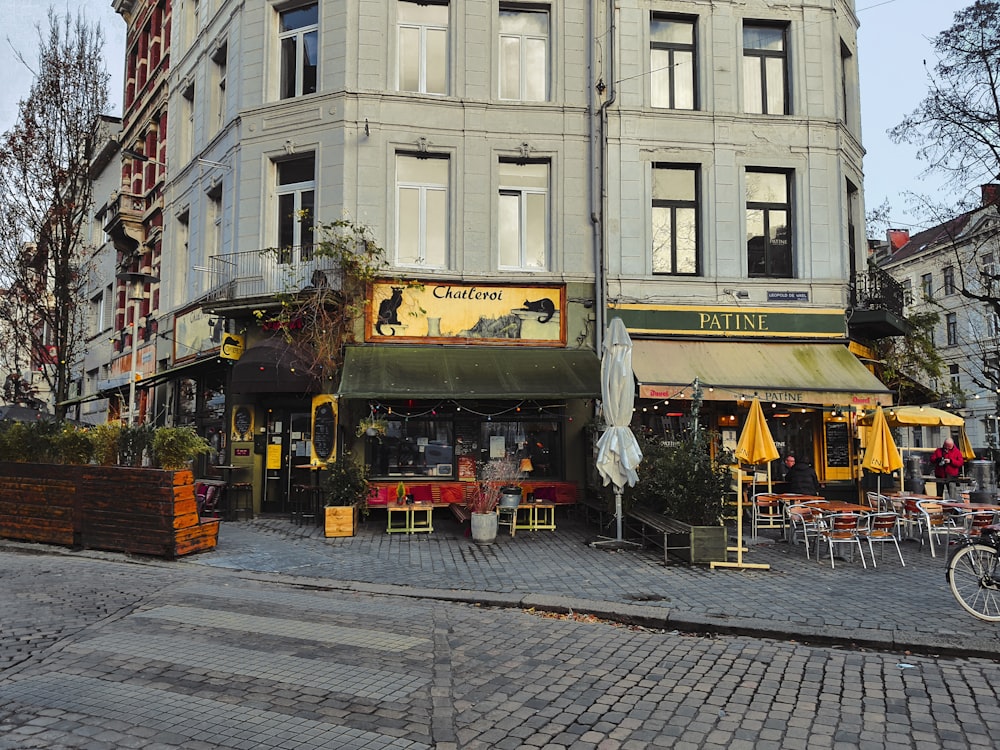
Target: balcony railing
{"points": [[261, 273], [875, 289]]}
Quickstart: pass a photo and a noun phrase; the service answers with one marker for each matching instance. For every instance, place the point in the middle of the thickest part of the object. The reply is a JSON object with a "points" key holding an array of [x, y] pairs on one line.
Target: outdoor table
{"points": [[538, 517], [839, 506], [416, 517]]}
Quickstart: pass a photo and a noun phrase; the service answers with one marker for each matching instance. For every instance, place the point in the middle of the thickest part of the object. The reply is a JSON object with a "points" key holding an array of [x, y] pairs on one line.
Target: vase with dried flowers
{"points": [[495, 476]]}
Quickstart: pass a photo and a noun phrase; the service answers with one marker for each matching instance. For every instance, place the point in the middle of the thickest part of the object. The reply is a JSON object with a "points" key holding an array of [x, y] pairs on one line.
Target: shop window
{"points": [[435, 447], [672, 62], [187, 402]]}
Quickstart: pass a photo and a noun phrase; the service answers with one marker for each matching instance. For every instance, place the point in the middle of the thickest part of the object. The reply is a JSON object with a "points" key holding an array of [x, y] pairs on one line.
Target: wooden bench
{"points": [[692, 544], [460, 512]]}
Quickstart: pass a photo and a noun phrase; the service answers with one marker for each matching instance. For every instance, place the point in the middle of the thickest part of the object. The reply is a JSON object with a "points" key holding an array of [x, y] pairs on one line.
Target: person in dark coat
{"points": [[800, 478]]}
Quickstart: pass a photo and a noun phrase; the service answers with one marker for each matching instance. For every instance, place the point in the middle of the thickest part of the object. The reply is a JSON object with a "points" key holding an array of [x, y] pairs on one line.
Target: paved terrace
{"points": [[889, 607]]}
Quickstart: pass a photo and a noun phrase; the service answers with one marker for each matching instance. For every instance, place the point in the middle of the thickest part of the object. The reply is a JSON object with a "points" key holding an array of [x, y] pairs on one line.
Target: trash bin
{"points": [[913, 480], [981, 472]]}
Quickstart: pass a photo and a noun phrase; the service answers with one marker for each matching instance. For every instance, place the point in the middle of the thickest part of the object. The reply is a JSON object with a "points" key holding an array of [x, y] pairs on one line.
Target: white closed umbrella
{"points": [[618, 453]]}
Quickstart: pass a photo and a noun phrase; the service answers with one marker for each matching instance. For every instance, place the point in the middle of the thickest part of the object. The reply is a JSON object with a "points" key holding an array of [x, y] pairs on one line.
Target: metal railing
{"points": [[875, 289], [262, 273]]}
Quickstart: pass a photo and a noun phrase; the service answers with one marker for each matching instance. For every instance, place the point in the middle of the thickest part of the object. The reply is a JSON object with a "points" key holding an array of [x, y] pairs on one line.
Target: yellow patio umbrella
{"points": [[965, 445], [881, 454], [909, 416], [755, 445]]}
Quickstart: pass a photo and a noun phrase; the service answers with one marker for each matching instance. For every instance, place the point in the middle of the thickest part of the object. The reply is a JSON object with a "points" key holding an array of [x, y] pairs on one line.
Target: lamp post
{"points": [[136, 282]]}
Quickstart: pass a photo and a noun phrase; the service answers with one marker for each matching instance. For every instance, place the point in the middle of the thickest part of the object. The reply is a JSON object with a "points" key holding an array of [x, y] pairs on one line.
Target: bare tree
{"points": [[956, 128], [45, 197]]}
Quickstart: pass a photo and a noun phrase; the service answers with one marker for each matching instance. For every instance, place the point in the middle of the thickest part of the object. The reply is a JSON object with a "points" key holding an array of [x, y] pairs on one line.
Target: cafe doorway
{"points": [[288, 436]]}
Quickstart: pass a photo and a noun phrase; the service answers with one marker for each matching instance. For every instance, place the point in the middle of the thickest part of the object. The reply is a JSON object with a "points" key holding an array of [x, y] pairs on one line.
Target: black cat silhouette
{"points": [[230, 345], [388, 312], [545, 306]]}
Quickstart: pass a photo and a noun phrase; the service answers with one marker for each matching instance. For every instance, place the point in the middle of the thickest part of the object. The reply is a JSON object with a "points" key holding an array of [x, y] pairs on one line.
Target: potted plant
{"points": [[345, 491], [498, 478], [176, 447], [373, 426]]}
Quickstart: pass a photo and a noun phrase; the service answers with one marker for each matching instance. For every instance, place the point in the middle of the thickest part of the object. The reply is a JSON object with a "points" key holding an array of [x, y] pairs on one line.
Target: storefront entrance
{"points": [[288, 440]]}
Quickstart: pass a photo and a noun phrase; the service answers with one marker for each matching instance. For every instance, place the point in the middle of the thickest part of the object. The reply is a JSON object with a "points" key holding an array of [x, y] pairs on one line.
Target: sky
{"points": [[893, 41]]}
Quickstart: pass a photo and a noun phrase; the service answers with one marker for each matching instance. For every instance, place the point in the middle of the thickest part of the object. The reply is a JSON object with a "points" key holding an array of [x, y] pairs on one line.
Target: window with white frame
{"points": [[421, 210], [927, 285], [769, 224], [955, 376], [523, 210], [298, 36], [524, 57], [675, 219], [213, 222], [296, 192], [96, 314], [949, 279], [422, 51], [765, 79], [672, 62]]}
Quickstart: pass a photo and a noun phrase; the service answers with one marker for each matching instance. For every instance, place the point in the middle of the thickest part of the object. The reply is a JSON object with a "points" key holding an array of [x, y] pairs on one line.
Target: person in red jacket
{"points": [[947, 462]]}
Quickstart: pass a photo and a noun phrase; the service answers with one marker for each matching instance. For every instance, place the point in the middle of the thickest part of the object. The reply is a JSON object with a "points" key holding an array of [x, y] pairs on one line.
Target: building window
{"points": [[298, 36], [907, 292], [769, 226], [213, 222], [927, 285], [524, 57], [421, 211], [846, 83], [765, 81], [187, 123], [956, 378], [523, 216], [675, 219], [949, 280], [951, 323], [423, 48], [296, 198], [672, 71], [220, 58]]}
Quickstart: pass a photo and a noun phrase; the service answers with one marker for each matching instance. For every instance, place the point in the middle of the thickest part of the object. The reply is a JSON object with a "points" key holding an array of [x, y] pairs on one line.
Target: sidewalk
{"points": [[887, 608]]}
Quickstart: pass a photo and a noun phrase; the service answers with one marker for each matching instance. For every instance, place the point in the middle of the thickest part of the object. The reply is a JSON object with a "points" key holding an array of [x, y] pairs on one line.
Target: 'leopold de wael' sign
{"points": [[425, 311]]}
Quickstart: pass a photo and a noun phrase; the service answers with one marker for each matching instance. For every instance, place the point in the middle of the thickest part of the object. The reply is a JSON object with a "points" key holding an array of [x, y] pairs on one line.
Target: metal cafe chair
{"points": [[934, 523], [766, 512], [881, 528], [840, 528], [804, 523]]}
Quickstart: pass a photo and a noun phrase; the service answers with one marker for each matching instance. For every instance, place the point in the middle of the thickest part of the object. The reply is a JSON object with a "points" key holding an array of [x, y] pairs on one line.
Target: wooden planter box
{"points": [[341, 520], [116, 508], [697, 544]]}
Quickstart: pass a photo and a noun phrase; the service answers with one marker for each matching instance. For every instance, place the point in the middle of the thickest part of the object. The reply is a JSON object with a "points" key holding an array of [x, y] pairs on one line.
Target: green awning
{"points": [[473, 372]]}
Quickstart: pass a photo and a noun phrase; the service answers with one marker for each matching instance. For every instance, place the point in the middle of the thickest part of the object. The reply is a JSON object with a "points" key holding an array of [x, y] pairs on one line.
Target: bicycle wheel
{"points": [[973, 574]]}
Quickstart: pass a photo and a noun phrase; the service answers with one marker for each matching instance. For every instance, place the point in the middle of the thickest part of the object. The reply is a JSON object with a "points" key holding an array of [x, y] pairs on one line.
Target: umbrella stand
{"points": [[739, 548], [616, 542]]}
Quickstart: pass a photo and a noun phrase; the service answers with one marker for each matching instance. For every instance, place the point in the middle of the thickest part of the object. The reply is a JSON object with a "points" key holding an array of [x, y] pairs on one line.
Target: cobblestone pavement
{"points": [[120, 653], [887, 607]]}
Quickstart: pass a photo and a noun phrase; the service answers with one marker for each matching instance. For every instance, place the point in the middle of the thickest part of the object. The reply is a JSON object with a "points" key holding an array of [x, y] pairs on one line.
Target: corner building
{"points": [[531, 170]]}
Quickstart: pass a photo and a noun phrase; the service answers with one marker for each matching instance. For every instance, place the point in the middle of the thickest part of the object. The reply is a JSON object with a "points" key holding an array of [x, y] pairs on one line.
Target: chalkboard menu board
{"points": [[838, 451], [324, 424], [242, 423]]}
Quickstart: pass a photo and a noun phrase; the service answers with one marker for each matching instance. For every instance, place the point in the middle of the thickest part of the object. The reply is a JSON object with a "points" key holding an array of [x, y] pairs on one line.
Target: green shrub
{"points": [[73, 445], [345, 482], [175, 447], [105, 438], [135, 444], [31, 442]]}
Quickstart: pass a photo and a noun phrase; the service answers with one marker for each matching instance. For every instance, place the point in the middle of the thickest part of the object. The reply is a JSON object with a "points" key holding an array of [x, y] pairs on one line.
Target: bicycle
{"points": [[974, 574]]}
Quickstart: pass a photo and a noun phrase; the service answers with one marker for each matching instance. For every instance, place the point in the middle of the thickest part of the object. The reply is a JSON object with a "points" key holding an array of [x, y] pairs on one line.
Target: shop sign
{"points": [[242, 423], [440, 313], [324, 429], [787, 296], [196, 332], [232, 346], [788, 397], [732, 322]]}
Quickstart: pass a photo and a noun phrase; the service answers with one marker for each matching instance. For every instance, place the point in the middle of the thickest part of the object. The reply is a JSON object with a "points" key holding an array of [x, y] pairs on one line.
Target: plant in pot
{"points": [[176, 447], [345, 493], [498, 481], [373, 426]]}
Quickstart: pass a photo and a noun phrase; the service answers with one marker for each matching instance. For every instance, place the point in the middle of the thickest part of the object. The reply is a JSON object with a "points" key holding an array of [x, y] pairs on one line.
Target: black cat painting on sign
{"points": [[324, 434]]}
